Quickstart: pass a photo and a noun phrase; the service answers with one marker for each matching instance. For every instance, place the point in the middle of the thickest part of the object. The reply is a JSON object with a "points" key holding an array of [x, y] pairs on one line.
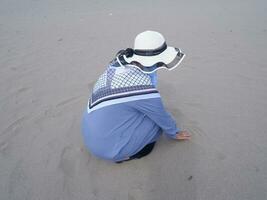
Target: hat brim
{"points": [[168, 59]]}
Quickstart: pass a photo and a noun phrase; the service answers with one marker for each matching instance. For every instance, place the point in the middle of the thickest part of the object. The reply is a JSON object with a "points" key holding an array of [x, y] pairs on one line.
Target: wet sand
{"points": [[52, 52]]}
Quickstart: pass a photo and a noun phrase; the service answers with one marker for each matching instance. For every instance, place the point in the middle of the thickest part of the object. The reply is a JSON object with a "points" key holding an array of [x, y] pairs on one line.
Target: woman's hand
{"points": [[183, 135]]}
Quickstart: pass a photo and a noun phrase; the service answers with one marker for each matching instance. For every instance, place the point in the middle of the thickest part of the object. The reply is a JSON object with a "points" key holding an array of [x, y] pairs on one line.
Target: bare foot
{"points": [[183, 135]]}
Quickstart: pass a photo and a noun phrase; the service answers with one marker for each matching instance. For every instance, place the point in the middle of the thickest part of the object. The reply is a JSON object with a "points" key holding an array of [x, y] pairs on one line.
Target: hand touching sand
{"points": [[183, 135]]}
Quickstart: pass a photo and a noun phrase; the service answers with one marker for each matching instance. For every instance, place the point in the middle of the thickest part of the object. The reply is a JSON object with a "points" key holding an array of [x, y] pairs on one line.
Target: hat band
{"points": [[153, 52]]}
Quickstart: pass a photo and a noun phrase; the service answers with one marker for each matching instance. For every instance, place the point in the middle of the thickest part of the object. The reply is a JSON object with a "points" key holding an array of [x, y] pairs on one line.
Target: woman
{"points": [[125, 115]]}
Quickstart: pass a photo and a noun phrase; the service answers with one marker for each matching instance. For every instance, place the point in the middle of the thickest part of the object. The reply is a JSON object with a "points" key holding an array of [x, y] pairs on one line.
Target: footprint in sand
{"points": [[68, 161], [3, 146]]}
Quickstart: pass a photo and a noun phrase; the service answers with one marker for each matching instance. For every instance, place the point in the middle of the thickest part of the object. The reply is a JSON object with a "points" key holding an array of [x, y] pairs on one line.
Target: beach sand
{"points": [[51, 52]]}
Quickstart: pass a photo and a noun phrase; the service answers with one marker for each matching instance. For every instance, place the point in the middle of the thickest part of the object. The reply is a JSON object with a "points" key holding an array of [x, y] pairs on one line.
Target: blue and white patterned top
{"points": [[119, 82], [125, 113]]}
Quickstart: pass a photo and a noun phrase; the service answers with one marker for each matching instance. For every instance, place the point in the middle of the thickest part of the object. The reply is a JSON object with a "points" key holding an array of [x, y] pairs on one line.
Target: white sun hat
{"points": [[151, 53]]}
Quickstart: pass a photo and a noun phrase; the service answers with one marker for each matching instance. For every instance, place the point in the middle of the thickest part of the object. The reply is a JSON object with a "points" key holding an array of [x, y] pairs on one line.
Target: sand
{"points": [[51, 52]]}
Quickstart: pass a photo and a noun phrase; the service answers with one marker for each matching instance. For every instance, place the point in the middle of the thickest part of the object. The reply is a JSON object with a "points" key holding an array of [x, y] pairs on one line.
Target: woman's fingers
{"points": [[183, 138], [183, 135]]}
